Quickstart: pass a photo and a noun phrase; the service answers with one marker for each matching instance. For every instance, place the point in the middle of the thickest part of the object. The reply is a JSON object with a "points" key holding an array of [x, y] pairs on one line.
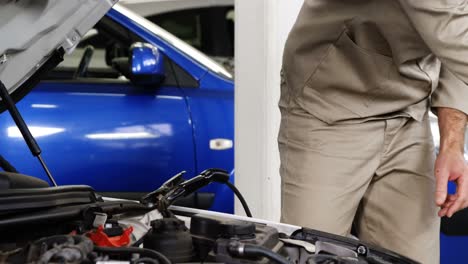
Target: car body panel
{"points": [[212, 112], [133, 141], [453, 249]]}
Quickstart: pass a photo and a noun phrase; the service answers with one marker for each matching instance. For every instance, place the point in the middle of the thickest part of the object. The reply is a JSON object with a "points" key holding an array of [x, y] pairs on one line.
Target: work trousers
{"points": [[376, 174]]}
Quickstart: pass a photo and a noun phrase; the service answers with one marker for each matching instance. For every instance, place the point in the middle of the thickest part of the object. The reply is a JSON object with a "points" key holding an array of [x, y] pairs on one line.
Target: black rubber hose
{"points": [[258, 251], [240, 197], [142, 251], [253, 251], [6, 166]]}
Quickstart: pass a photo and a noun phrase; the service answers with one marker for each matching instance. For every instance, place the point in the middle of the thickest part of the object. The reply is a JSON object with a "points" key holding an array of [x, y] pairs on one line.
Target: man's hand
{"points": [[450, 164]]}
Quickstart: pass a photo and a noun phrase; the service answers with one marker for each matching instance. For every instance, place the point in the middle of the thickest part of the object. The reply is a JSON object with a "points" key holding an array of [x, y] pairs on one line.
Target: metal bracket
{"points": [[71, 42]]}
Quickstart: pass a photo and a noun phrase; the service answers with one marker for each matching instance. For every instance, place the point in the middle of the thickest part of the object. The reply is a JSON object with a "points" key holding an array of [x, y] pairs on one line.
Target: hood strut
{"points": [[23, 128]]}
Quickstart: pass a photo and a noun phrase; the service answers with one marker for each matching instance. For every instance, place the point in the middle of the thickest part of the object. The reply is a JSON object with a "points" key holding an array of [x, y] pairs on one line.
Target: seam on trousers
{"points": [[286, 148], [403, 123], [286, 139], [381, 152], [370, 231]]}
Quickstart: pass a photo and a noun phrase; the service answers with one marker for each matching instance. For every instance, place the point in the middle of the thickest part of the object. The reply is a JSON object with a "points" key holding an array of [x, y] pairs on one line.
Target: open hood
{"points": [[36, 33]]}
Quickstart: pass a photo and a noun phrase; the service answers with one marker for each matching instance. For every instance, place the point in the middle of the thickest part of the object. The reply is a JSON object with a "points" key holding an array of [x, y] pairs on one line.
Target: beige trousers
{"points": [[377, 175]]}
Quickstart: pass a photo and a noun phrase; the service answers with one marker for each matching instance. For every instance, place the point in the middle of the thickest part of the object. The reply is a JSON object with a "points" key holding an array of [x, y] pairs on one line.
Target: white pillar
{"points": [[261, 31]]}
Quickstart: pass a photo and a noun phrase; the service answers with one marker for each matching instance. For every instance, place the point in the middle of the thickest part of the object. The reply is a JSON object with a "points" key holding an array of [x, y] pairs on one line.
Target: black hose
{"points": [[142, 251], [6, 166], [253, 251], [240, 197], [258, 251]]}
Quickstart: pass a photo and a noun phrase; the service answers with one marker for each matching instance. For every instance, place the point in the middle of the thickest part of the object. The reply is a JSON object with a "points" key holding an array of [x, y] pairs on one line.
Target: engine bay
{"points": [[73, 224], [207, 239]]}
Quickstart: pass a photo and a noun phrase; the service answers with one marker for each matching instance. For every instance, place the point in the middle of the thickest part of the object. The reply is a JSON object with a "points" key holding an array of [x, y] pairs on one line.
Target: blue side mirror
{"points": [[146, 64]]}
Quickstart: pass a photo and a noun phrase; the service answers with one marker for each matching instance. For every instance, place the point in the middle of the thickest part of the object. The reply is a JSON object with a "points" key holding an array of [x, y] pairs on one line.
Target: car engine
{"points": [[72, 224]]}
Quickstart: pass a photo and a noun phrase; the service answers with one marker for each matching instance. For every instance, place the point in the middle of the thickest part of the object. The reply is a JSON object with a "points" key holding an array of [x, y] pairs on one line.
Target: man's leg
{"points": [[325, 169], [398, 211]]}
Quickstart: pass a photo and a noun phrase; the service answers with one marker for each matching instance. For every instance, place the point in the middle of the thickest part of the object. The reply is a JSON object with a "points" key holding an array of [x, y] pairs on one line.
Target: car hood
{"points": [[35, 33]]}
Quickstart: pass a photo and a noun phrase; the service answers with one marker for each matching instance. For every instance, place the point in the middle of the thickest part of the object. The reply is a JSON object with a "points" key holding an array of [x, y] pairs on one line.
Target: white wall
{"points": [[261, 31]]}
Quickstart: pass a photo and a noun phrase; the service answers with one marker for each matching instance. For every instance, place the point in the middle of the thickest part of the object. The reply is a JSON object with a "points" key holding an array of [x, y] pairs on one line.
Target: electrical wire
{"points": [[142, 251], [240, 197]]}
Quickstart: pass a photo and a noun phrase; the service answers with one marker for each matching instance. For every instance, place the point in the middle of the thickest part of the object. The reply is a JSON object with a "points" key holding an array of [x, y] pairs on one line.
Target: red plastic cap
{"points": [[101, 239]]}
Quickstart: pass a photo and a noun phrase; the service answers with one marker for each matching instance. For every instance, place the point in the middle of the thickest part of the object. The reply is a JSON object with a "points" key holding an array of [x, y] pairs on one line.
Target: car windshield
{"points": [[176, 42]]}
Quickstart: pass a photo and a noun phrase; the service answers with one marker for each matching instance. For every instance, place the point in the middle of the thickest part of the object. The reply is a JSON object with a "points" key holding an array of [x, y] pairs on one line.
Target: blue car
{"points": [[121, 135]]}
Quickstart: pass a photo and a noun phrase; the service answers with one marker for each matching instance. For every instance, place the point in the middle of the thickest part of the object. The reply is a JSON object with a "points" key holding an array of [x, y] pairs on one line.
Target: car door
{"points": [[97, 128]]}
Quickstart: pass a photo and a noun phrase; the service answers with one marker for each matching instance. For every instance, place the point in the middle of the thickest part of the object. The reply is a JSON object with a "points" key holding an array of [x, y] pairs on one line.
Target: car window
{"points": [[107, 39], [175, 42], [186, 25], [110, 40], [210, 30]]}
